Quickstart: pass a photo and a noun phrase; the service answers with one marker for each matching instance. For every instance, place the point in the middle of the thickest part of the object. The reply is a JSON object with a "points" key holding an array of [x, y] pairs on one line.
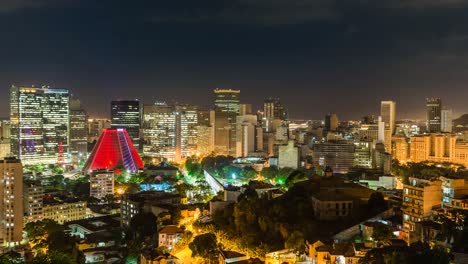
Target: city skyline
{"points": [[317, 56]]}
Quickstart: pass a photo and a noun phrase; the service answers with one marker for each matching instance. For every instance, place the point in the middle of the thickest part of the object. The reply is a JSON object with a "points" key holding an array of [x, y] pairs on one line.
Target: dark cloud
{"points": [[318, 55], [14, 5]]}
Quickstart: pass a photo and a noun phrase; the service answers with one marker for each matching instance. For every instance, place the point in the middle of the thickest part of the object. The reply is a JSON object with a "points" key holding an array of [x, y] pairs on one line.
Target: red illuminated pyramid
{"points": [[114, 150]]}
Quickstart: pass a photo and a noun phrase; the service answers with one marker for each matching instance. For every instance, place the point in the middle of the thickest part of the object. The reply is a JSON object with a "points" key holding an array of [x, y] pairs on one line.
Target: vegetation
{"points": [[416, 253], [205, 246], [427, 170], [50, 242]]}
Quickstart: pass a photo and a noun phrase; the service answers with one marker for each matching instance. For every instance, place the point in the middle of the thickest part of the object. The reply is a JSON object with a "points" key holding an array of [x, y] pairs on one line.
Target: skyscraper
{"points": [[388, 114], [11, 203], [226, 110], [434, 115], [446, 124], [273, 109], [78, 131], [40, 128], [331, 122], [126, 114], [170, 131]]}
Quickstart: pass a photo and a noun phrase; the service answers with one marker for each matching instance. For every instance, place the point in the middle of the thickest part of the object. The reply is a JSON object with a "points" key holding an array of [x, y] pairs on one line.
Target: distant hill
{"points": [[461, 123]]}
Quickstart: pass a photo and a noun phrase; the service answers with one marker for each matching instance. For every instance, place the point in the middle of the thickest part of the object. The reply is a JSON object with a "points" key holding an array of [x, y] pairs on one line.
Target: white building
{"points": [[169, 236], [289, 156], [101, 183]]}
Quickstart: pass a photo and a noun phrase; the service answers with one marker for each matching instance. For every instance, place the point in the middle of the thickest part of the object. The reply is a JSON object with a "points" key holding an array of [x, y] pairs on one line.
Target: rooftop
{"points": [[170, 229]]}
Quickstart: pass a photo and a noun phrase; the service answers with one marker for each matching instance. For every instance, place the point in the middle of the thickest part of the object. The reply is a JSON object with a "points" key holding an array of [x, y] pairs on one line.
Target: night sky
{"points": [[318, 56]]}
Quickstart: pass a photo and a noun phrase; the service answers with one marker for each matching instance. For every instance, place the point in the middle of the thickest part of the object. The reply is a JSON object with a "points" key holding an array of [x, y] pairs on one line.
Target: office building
{"points": [[39, 119], [171, 132], [78, 131], [226, 104], [420, 197], [273, 109], [11, 204], [246, 129], [376, 132], [95, 126], [400, 148], [114, 150], [289, 156], [64, 211], [5, 129], [331, 122], [388, 114], [336, 155], [101, 183], [434, 115], [363, 154], [446, 123], [33, 195], [126, 114]]}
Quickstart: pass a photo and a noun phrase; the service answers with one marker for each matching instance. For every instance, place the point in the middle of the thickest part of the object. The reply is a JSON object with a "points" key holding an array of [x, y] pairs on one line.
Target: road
{"points": [[184, 256]]}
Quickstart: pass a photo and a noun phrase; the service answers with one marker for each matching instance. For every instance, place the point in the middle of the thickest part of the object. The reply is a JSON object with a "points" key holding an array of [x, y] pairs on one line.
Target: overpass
{"points": [[215, 185]]}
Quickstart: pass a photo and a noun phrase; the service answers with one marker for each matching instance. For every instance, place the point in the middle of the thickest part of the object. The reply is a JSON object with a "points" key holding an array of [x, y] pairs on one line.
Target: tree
{"points": [[11, 258], [143, 225], [382, 233], [269, 173], [294, 177], [205, 246], [377, 203], [53, 257], [296, 242]]}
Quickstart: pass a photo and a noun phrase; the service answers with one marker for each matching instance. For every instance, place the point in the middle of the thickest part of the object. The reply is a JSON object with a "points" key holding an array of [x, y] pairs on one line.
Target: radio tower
{"points": [[60, 158]]}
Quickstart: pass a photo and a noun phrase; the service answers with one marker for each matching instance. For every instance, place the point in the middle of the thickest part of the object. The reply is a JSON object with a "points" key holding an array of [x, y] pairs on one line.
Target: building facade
{"points": [[434, 115], [63, 212], [40, 127], [226, 104], [78, 131], [170, 131], [388, 114], [126, 114], [420, 197], [33, 195], [101, 183], [11, 204]]}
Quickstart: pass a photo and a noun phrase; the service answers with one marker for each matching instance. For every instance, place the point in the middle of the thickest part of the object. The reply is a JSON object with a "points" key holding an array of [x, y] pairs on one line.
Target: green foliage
{"points": [[416, 253], [11, 258], [296, 242], [48, 235], [270, 173], [295, 177], [53, 257], [382, 233], [205, 246]]}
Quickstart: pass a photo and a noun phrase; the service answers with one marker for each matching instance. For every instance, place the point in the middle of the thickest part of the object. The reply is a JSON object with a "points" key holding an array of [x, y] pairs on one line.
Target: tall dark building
{"points": [[434, 115], [273, 109], [126, 114], [331, 122], [78, 131], [226, 110]]}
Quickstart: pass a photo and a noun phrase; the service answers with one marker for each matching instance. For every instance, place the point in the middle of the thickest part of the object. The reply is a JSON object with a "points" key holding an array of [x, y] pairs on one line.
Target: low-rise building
{"points": [[33, 194], [420, 197], [289, 156], [338, 253], [169, 236], [64, 211], [152, 256], [331, 204], [150, 201], [228, 257], [101, 183]]}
